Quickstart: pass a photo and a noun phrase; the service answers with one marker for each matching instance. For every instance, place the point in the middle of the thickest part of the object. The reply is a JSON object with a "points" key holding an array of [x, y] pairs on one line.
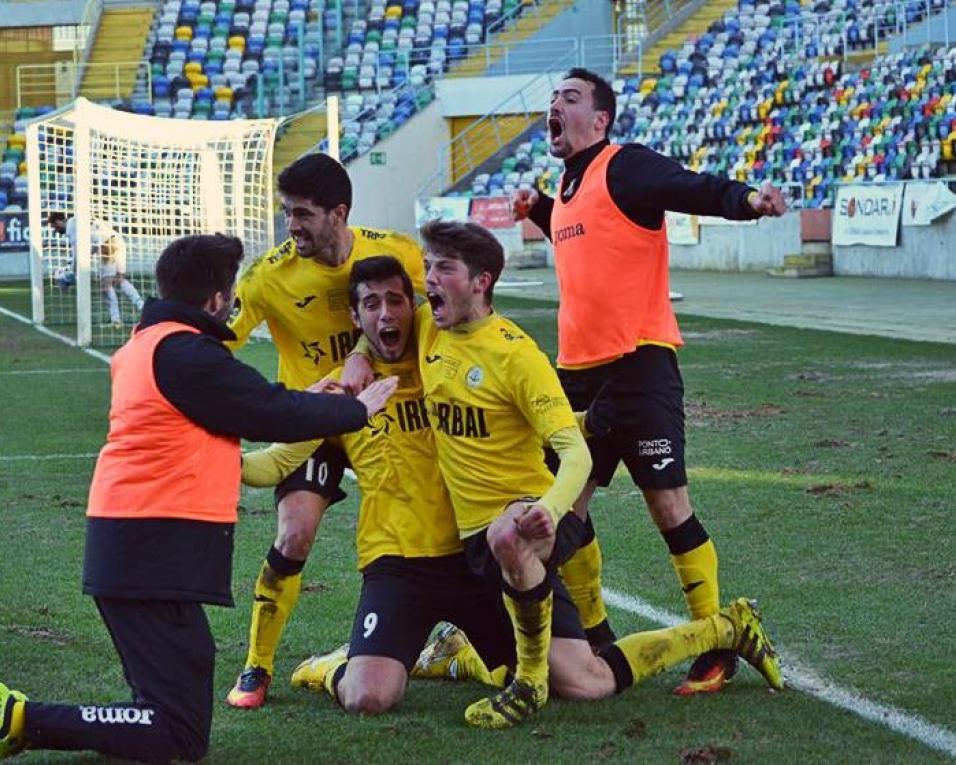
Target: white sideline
{"points": [[43, 330], [35, 457], [797, 676], [75, 370], [802, 678]]}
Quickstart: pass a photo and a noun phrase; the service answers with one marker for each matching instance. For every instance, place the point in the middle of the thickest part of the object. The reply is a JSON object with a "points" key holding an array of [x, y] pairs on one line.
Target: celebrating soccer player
{"points": [[300, 289], [616, 328]]}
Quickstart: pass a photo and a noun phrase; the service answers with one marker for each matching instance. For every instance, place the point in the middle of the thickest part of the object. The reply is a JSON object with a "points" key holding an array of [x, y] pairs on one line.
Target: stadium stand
{"points": [[758, 96]]}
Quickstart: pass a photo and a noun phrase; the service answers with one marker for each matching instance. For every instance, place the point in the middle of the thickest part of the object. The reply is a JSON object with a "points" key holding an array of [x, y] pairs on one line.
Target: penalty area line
{"points": [[802, 678]]}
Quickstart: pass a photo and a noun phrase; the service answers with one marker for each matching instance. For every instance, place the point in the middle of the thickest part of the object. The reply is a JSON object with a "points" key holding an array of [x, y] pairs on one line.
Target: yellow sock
{"points": [[275, 598], [582, 576], [697, 571], [649, 653], [17, 719], [333, 676], [470, 666], [532, 626]]}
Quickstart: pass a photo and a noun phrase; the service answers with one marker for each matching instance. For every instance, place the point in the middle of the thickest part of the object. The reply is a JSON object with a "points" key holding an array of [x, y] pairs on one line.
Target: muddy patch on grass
{"points": [[837, 489], [57, 637], [701, 413], [947, 456], [707, 755]]}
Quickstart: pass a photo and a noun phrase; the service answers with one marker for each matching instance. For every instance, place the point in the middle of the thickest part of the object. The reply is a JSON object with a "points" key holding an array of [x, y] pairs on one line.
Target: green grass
{"points": [[822, 465]]}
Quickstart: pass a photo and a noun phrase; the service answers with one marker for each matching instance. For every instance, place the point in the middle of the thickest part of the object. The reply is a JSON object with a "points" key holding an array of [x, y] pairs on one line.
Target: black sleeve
{"points": [[643, 184], [204, 381], [540, 214]]}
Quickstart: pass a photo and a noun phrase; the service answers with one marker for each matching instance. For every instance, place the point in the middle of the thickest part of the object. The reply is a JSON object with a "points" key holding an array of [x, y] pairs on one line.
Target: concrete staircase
{"points": [[815, 259], [120, 40], [527, 24], [695, 25]]}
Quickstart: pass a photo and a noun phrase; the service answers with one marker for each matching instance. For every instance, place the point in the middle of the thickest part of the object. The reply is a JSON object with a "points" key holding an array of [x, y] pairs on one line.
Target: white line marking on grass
{"points": [[74, 370], [65, 340], [37, 457], [800, 677]]}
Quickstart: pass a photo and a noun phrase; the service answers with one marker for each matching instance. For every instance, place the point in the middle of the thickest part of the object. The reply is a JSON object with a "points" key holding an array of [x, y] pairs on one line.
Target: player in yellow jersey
{"points": [[413, 570], [300, 289], [494, 400]]}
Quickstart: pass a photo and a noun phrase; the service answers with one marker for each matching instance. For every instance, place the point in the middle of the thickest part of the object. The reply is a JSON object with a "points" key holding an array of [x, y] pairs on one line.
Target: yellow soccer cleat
{"points": [[510, 706], [751, 641], [443, 656], [11, 742], [314, 672]]}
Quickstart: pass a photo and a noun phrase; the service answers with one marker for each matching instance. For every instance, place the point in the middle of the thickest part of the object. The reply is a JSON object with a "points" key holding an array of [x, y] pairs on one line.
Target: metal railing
{"points": [[59, 84], [465, 152]]}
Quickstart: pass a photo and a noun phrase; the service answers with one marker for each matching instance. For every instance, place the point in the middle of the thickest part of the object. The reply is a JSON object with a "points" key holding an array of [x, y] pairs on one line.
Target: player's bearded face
{"points": [[573, 124], [311, 226], [455, 296], [385, 314]]}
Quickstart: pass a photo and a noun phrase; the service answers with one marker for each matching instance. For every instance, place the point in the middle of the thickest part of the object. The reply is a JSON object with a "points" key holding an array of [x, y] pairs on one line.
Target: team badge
{"points": [[475, 376]]}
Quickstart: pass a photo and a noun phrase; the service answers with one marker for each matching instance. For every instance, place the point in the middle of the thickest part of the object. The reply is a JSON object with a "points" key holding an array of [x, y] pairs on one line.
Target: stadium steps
{"points": [[815, 259], [301, 135], [121, 39], [526, 25], [693, 26]]}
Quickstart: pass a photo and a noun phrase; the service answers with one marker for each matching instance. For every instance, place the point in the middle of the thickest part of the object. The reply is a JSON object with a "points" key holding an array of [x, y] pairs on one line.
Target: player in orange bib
{"points": [[617, 334]]}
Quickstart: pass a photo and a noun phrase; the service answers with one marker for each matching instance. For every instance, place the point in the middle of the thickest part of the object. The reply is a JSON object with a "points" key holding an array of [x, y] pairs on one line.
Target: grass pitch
{"points": [[823, 465]]}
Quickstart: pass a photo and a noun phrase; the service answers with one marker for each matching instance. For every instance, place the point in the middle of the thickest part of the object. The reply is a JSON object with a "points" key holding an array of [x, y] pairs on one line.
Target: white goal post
{"points": [[138, 182]]}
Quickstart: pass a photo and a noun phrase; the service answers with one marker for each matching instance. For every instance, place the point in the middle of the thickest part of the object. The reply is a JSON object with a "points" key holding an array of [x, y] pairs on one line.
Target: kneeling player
{"points": [[414, 572]]}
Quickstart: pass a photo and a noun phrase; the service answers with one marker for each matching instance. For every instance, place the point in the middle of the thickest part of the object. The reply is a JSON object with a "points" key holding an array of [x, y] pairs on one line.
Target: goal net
{"points": [[122, 186]]}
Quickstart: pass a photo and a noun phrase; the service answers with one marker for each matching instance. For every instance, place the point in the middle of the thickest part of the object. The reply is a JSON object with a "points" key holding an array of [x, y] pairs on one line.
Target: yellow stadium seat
{"points": [[184, 33], [393, 12], [237, 42], [223, 93], [16, 141], [192, 67]]}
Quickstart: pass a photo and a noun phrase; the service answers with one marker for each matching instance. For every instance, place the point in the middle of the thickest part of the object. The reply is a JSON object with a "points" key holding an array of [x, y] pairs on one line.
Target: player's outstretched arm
{"points": [[357, 372], [768, 201], [270, 466], [376, 395]]}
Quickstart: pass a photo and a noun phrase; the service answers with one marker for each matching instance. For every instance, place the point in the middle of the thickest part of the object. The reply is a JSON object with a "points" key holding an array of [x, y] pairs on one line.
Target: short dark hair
{"points": [[603, 96], [470, 243], [193, 269], [55, 217], [376, 269], [318, 178]]}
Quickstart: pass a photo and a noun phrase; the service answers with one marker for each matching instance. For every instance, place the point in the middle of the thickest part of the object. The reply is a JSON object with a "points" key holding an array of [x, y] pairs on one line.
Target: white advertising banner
{"points": [[924, 202], [441, 208], [867, 215], [682, 228]]}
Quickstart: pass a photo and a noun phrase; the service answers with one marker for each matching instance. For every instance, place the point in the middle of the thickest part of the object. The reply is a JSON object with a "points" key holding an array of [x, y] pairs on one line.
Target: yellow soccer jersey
{"points": [[493, 400], [405, 507], [306, 303]]}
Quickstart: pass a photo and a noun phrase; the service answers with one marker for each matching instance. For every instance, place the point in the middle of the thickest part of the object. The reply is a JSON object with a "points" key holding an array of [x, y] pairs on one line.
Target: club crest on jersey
{"points": [[475, 376], [380, 423]]}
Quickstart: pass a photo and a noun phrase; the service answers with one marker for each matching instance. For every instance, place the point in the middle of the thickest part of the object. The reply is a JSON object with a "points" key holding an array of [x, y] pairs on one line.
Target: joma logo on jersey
{"points": [[465, 421], [569, 232], [117, 715], [412, 415], [375, 236]]}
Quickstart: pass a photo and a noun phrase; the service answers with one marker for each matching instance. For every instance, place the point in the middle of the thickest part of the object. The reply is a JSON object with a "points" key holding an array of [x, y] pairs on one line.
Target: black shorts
{"points": [[320, 474], [404, 598], [647, 393], [571, 533]]}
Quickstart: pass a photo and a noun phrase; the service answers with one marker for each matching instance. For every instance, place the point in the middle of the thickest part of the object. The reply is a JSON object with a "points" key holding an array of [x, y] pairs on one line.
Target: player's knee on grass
{"points": [[372, 684], [576, 673], [299, 515]]}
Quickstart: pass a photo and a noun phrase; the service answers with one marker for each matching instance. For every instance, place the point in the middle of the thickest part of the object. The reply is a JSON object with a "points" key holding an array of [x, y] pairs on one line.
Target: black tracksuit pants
{"points": [[168, 657]]}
